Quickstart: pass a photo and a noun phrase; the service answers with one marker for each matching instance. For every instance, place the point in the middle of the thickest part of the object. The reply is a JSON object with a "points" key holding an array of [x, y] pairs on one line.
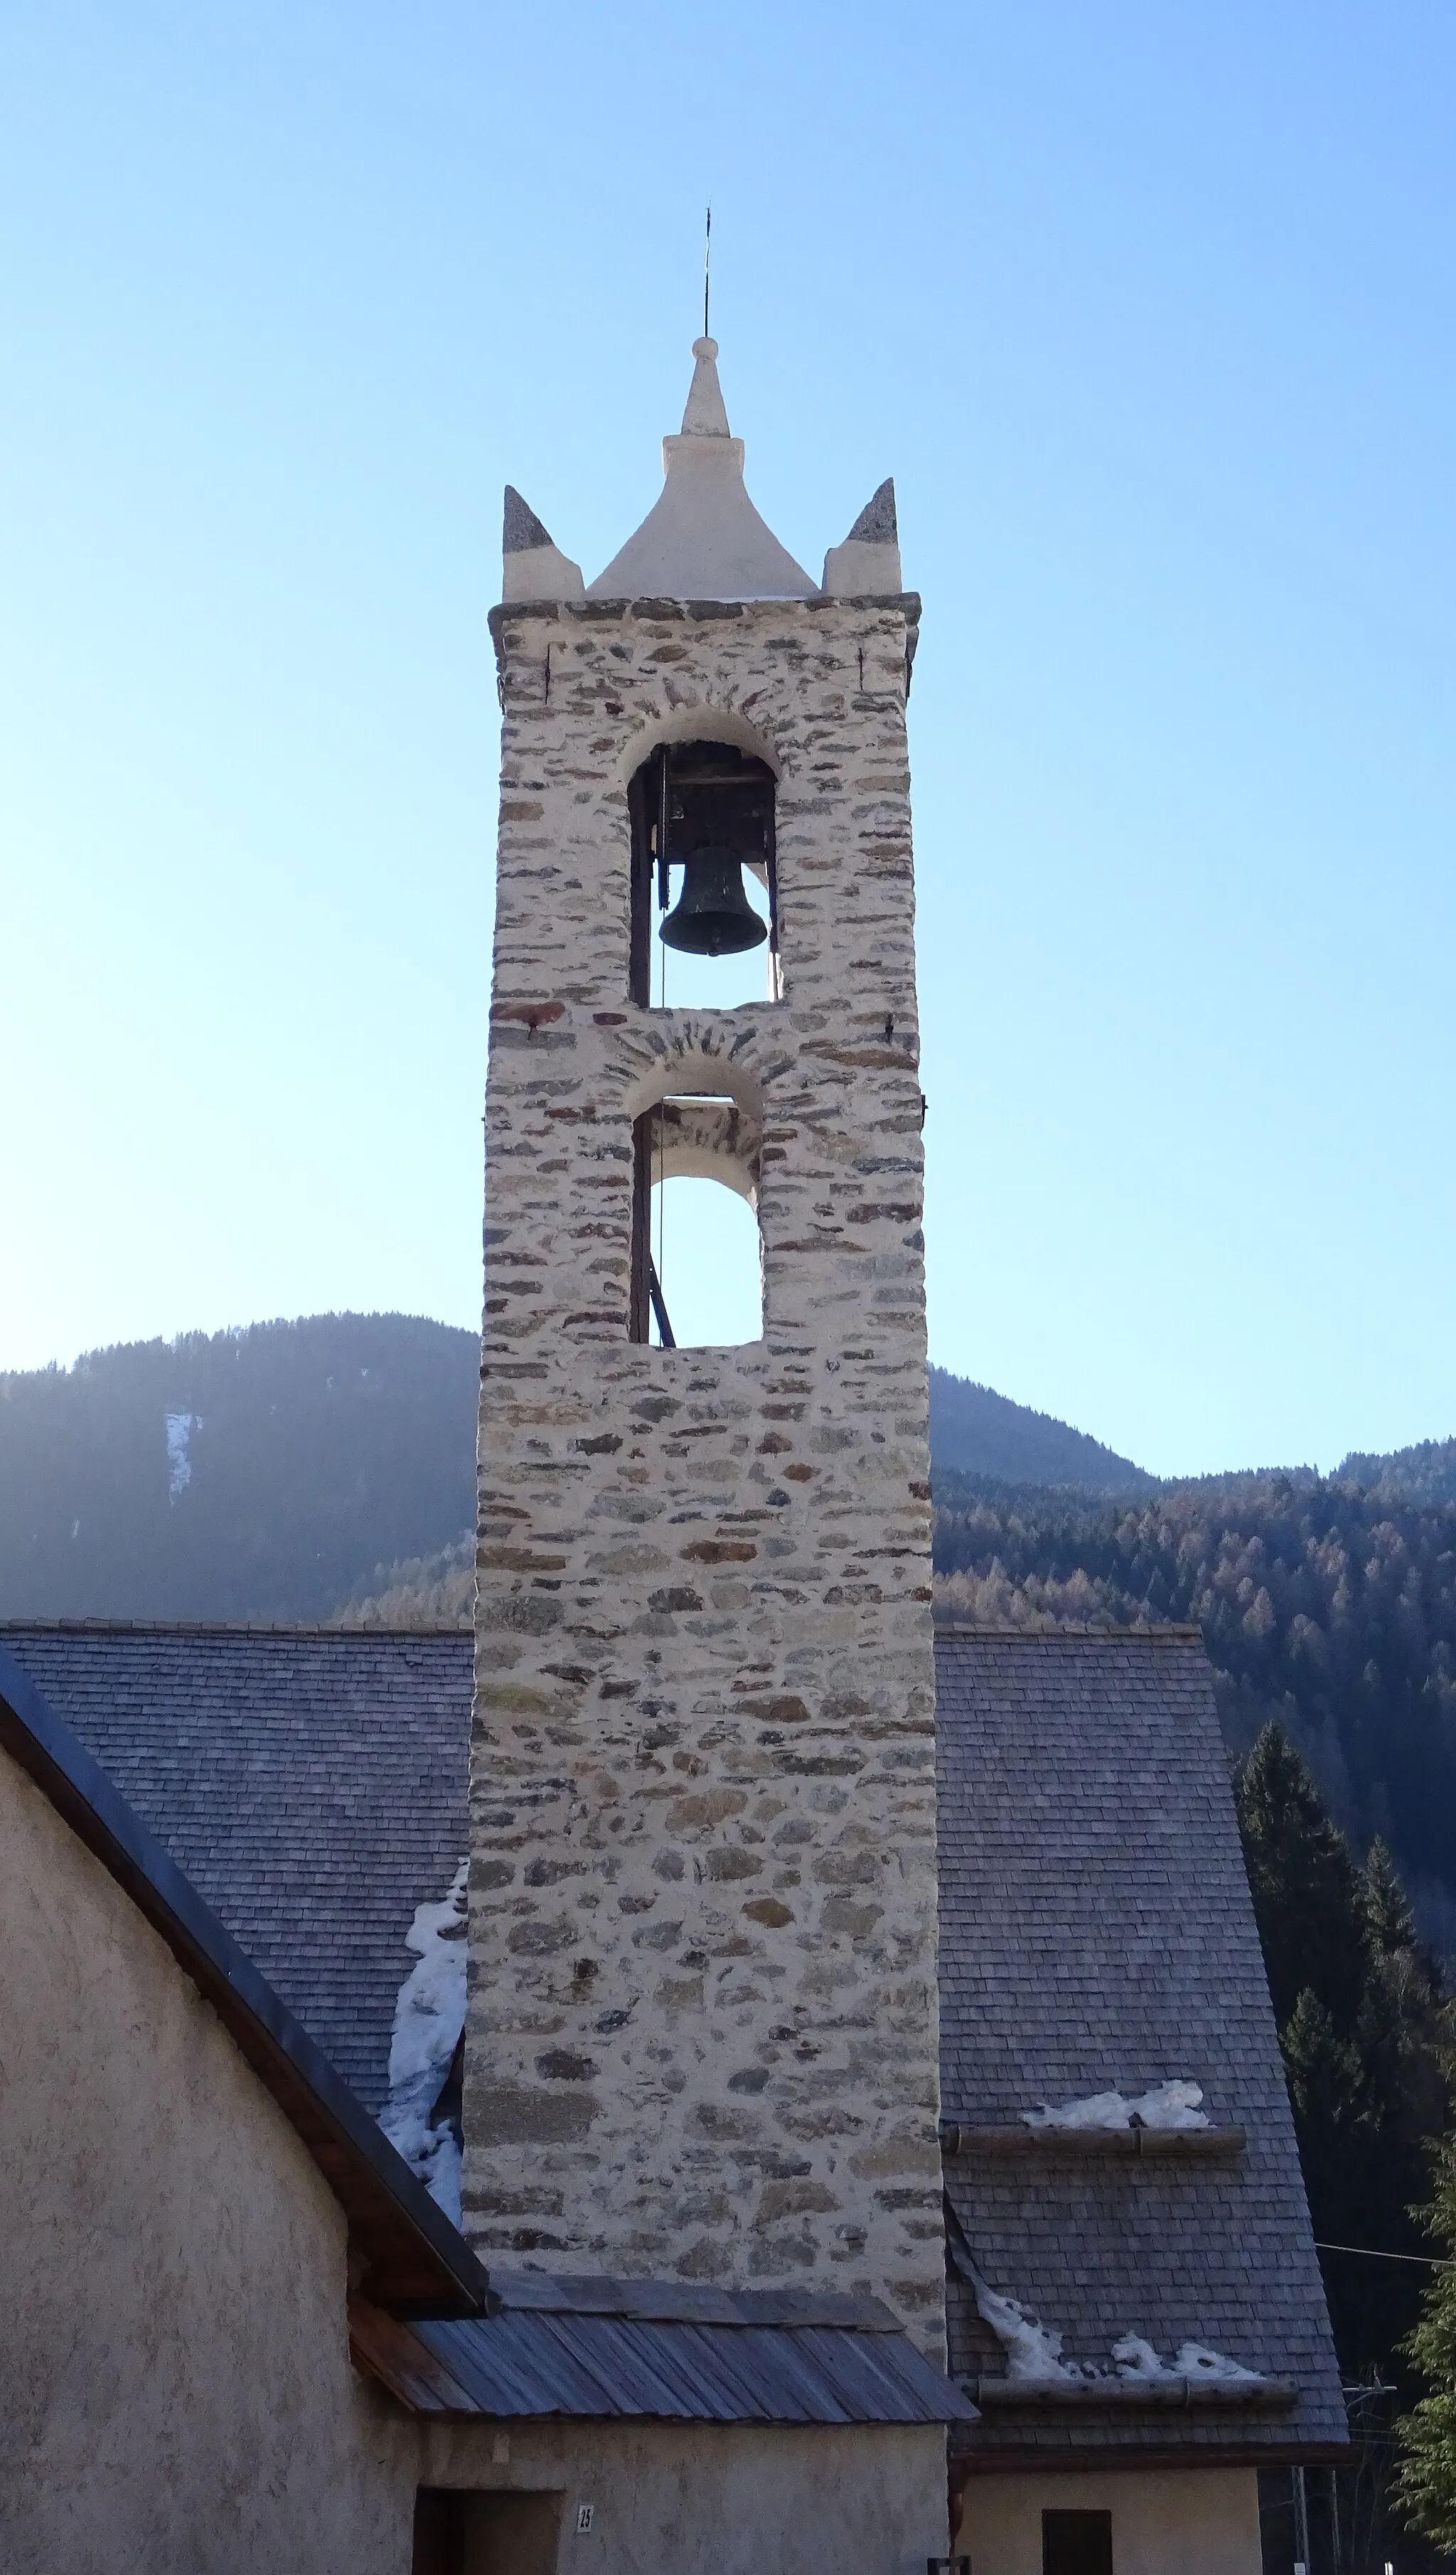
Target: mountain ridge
{"points": [[295, 1470], [1012, 1443], [259, 1473]]}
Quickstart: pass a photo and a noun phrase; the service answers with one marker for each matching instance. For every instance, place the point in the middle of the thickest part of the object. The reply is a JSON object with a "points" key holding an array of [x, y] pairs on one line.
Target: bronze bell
{"points": [[713, 916]]}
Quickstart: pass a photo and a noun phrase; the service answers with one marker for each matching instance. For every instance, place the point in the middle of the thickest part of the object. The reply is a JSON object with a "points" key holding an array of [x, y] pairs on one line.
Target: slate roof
{"points": [[402, 2248], [1096, 1932], [310, 1782]]}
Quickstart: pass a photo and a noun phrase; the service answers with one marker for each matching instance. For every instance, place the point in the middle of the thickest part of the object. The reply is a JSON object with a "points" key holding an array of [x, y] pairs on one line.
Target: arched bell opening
{"points": [[696, 1256], [704, 880]]}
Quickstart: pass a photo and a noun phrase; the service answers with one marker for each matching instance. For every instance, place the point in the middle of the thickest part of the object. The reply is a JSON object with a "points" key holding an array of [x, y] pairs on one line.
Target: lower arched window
{"points": [[697, 1259]]}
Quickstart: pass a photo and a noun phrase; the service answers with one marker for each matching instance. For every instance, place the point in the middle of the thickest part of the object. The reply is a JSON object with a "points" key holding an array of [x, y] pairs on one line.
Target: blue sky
{"points": [[1149, 310]]}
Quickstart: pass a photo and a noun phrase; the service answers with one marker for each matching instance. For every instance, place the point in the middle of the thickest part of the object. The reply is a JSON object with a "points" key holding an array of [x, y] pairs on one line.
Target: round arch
{"points": [[695, 720]]}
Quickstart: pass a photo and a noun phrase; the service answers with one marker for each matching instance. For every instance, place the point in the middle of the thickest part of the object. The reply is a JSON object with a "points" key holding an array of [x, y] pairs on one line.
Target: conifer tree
{"points": [[1388, 1916], [1329, 2090], [1427, 2483], [1363, 2029], [1306, 1889]]}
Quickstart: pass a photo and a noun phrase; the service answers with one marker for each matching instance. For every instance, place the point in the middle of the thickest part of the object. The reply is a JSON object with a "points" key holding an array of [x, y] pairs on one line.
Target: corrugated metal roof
{"points": [[599, 2348]]}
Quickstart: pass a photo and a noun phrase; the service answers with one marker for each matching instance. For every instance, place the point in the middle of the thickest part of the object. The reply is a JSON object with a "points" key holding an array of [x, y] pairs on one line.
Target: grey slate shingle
{"points": [[1095, 1929], [310, 1782], [1096, 1932]]}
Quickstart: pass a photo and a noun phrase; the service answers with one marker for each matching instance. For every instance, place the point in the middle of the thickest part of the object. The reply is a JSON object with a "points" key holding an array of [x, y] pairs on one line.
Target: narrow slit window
{"points": [[696, 1257], [704, 878]]}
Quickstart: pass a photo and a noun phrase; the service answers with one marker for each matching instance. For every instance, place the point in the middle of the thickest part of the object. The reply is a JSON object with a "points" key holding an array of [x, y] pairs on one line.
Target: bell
{"points": [[713, 916]]}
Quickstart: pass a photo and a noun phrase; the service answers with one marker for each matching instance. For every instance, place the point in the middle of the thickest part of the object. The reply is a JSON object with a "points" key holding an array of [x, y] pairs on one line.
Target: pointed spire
{"points": [[875, 524], [704, 539], [521, 529], [868, 564], [535, 567], [707, 412]]}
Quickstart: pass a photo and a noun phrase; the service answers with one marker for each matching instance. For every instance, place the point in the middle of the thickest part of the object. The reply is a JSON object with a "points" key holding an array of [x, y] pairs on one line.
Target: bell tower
{"points": [[703, 2032]]}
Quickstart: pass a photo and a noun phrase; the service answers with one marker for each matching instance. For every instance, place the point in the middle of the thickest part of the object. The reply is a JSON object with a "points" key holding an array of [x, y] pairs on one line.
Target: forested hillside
{"points": [[976, 1432], [291, 1468], [1425, 1473], [250, 1475]]}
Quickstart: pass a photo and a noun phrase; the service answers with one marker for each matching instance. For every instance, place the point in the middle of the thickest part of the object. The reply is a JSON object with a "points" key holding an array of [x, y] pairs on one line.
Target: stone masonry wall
{"points": [[703, 2026]]}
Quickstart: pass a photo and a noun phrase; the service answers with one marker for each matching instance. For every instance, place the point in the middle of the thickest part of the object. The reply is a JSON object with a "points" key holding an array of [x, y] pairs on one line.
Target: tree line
{"points": [[1369, 2038]]}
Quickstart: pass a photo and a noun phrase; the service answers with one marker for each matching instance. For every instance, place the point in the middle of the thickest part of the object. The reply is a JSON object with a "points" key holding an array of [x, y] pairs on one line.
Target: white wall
{"points": [[176, 2396], [1165, 2521], [717, 2499]]}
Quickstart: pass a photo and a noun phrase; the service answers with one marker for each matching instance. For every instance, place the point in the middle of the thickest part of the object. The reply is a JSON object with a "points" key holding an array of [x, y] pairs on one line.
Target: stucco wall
{"points": [[1166, 2521], [716, 2499], [175, 2387], [176, 2396], [702, 2035]]}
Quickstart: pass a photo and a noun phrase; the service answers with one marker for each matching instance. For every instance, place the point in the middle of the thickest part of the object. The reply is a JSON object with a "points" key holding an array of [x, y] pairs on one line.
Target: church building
{"points": [[704, 2072]]}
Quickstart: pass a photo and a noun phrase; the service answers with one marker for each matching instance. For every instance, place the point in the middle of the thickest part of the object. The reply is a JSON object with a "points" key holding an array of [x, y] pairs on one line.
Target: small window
{"points": [[1076, 2543], [705, 886], [696, 1257]]}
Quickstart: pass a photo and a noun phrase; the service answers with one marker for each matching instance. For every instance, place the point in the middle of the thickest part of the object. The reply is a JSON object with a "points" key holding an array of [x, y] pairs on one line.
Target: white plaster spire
{"points": [[706, 412], [704, 539]]}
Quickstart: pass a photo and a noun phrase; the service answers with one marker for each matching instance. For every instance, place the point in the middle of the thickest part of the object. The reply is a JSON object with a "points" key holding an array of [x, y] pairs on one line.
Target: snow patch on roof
{"points": [[1033, 2353], [1174, 2104], [1136, 2358], [429, 2019]]}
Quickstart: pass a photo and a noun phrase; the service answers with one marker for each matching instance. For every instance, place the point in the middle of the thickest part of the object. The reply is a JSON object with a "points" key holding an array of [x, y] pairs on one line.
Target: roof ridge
{"points": [[328, 1630], [223, 1628], [1182, 1634]]}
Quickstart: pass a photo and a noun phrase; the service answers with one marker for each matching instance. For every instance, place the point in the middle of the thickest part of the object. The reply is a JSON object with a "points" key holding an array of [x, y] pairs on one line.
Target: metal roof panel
{"points": [[534, 2361]]}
